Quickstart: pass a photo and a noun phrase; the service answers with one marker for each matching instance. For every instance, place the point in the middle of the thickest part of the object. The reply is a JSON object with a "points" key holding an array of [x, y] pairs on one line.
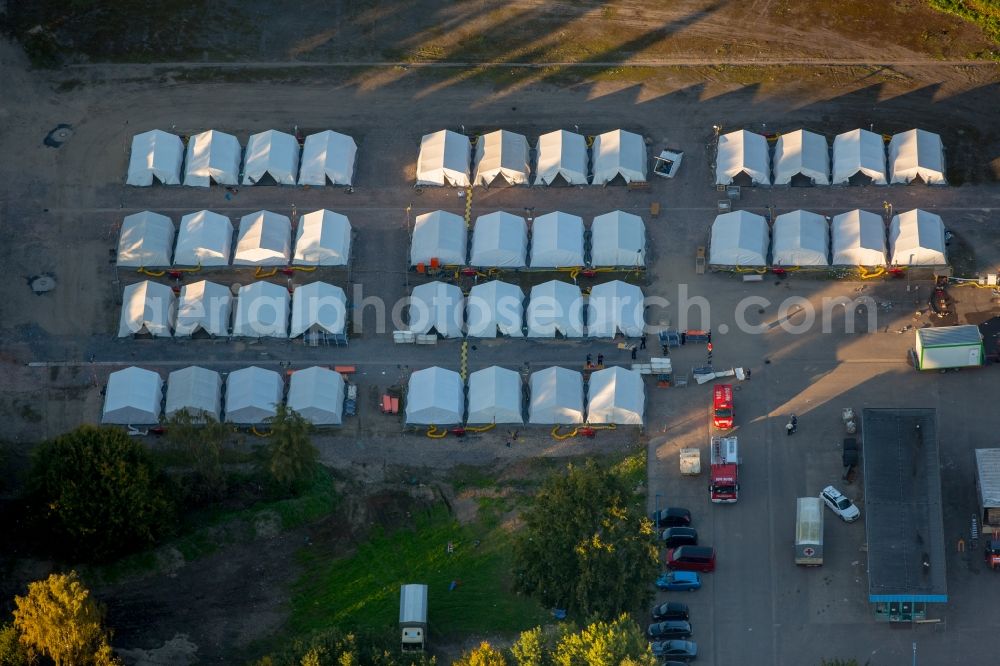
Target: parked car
{"points": [[679, 650], [839, 504], [679, 580], [691, 558], [673, 516], [680, 536], [672, 610], [659, 631], [671, 662]]}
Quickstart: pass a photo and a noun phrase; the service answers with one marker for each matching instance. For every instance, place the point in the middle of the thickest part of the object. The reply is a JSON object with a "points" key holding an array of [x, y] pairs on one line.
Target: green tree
{"points": [[98, 493], [531, 648], [59, 619], [12, 651], [199, 439], [483, 655], [614, 643], [291, 455]]}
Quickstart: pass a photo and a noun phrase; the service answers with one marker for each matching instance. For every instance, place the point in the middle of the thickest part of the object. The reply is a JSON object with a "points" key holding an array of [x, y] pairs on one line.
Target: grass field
{"points": [[983, 13]]}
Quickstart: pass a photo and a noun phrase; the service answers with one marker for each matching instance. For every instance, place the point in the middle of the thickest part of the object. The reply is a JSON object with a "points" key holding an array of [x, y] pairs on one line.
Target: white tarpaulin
{"points": [[495, 396], [800, 238], [557, 240], [328, 156], [858, 154], [556, 396], [562, 157], [323, 239], [619, 153], [317, 394], [435, 396], [916, 154], [271, 153], [437, 306], [495, 306], [438, 235], [916, 238], [615, 307], [555, 308], [155, 154], [197, 390], [205, 239], [618, 239], [204, 306], [616, 395], [742, 152], [253, 395], [212, 157], [133, 397], [261, 311], [264, 239], [444, 159], [739, 239], [801, 153], [858, 239], [502, 155], [499, 240], [318, 307], [147, 307], [147, 239]]}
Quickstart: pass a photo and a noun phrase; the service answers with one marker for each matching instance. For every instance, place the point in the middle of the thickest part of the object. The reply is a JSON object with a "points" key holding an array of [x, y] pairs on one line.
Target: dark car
{"points": [[672, 610], [681, 650], [673, 516], [680, 536], [669, 629]]}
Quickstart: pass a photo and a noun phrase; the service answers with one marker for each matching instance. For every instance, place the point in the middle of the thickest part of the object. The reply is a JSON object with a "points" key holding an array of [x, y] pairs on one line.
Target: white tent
{"points": [[499, 239], [858, 153], [264, 239], [261, 311], [618, 239], [205, 306], [495, 306], [147, 307], [195, 389], [557, 240], [133, 397], [253, 395], [561, 155], [801, 238], [147, 239], [444, 159], [212, 157], [801, 153], [739, 239], [438, 235], [616, 395], [503, 155], [858, 239], [742, 152], [271, 153], [317, 394], [435, 396], [155, 155], [328, 155], [495, 396], [615, 307], [555, 308], [205, 239], [556, 396], [323, 239], [619, 153], [437, 306], [318, 307], [916, 154], [916, 238]]}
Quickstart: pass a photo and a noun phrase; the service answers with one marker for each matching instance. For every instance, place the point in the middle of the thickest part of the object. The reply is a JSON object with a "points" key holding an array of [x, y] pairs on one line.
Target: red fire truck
{"points": [[725, 484], [722, 406]]}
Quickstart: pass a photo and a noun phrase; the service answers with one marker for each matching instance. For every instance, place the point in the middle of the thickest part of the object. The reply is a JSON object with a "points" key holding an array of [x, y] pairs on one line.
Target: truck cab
{"points": [[723, 416]]}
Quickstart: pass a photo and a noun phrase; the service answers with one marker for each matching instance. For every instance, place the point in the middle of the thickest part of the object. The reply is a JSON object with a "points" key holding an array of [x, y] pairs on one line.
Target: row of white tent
{"points": [[436, 396], [804, 156], [215, 157], [261, 310], [446, 158], [323, 238], [802, 238], [554, 309], [134, 396], [501, 240]]}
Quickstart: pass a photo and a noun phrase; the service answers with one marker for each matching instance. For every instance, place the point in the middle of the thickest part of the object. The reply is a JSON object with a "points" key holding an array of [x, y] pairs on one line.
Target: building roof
{"points": [[619, 153], [444, 159], [802, 153], [504, 155], [858, 152], [800, 238], [916, 238], [317, 394], [322, 239], [195, 389], [988, 466], [435, 396], [916, 154], [495, 396], [499, 239], [616, 395], [616, 307], [557, 240], [133, 397], [148, 307], [271, 153], [858, 239], [493, 307], [556, 396], [950, 336], [206, 306], [205, 239], [253, 395], [739, 238], [155, 154], [742, 152], [437, 306], [618, 239], [555, 307], [261, 311], [561, 154], [438, 235], [327, 156], [264, 239], [147, 239], [318, 305], [212, 156]]}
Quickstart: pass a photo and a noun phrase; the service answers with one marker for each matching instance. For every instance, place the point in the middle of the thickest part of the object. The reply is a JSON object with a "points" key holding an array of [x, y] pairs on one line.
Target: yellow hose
{"points": [[187, 270], [145, 271], [254, 430], [434, 433], [259, 273], [555, 433], [483, 428], [304, 269]]}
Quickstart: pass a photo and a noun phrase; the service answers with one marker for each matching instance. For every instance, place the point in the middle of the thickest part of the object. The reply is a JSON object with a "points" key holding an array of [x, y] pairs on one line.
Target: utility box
{"points": [[949, 347], [413, 617]]}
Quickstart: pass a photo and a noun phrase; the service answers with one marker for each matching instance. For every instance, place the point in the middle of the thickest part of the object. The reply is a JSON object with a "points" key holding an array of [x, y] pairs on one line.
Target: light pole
{"points": [[657, 514]]}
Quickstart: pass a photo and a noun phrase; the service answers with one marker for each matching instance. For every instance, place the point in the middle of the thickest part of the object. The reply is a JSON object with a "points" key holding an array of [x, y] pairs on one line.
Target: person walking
{"points": [[589, 360], [600, 360], [642, 342], [634, 352]]}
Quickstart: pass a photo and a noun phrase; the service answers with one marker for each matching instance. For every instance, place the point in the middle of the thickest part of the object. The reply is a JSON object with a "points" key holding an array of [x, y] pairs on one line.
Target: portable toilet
{"points": [[413, 616]]}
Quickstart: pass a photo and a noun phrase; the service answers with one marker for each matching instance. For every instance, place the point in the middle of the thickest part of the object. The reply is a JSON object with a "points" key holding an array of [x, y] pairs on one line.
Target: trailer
{"points": [[724, 487], [988, 486], [690, 462], [413, 616], [948, 347], [809, 531]]}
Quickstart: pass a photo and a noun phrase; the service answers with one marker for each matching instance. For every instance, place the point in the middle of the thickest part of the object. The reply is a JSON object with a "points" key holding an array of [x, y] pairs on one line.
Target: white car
{"points": [[839, 504]]}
